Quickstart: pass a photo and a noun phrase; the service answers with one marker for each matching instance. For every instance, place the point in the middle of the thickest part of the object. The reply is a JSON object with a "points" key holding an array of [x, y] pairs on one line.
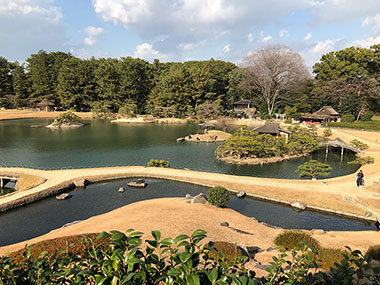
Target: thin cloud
{"points": [[93, 34]]}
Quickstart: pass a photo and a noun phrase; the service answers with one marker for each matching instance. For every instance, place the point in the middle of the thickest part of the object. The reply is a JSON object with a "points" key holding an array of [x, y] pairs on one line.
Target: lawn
{"points": [[369, 125]]}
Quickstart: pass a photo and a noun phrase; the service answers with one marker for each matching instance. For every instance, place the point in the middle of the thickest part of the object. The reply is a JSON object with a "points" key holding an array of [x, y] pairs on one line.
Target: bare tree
{"points": [[273, 72]]}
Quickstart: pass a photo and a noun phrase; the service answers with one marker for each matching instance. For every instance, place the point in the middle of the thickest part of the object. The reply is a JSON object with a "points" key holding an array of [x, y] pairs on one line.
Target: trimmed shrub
{"points": [[367, 117], [374, 252], [158, 163], [362, 161], [218, 196], [327, 132], [358, 144], [313, 169], [292, 239], [348, 118]]}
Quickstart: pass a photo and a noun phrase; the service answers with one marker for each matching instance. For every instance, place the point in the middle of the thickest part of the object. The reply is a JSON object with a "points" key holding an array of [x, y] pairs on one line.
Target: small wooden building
{"points": [[242, 104], [273, 129], [242, 108], [325, 114], [45, 106]]}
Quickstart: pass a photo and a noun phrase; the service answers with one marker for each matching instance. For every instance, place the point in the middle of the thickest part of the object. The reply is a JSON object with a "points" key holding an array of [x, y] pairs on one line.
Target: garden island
{"points": [[283, 140]]}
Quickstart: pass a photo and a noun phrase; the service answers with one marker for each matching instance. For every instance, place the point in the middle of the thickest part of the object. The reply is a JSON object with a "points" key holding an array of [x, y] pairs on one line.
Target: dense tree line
{"points": [[274, 78], [109, 84]]}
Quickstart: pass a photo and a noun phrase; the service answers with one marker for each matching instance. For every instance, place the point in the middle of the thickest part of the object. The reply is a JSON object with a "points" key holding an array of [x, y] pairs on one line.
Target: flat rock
{"points": [[298, 205], [318, 231], [80, 183], [241, 194], [63, 196], [224, 224], [199, 199], [121, 189]]}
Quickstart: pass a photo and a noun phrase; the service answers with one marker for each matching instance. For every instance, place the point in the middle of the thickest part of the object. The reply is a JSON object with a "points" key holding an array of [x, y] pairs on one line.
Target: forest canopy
{"points": [[347, 80]]}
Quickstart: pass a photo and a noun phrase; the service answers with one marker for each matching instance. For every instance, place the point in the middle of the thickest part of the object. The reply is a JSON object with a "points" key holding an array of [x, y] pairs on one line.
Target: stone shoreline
{"points": [[255, 161]]}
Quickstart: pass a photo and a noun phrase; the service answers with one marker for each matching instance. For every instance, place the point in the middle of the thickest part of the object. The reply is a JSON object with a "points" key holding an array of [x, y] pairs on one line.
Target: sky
{"points": [[182, 30]]}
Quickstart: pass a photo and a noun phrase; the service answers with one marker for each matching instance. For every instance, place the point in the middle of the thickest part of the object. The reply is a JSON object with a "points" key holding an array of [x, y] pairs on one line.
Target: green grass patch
{"points": [[292, 239], [369, 125], [374, 252]]}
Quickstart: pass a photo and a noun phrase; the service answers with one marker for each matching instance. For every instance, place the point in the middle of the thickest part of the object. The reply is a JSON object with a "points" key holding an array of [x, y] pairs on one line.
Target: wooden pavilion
{"points": [[325, 114], [45, 106], [273, 129]]}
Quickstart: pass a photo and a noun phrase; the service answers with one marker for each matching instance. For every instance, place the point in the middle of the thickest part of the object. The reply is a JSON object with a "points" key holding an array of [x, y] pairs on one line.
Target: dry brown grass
{"points": [[26, 182], [371, 203]]}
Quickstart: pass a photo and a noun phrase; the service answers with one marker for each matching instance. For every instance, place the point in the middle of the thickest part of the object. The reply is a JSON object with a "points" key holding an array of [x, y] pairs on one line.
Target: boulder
{"points": [[378, 218], [298, 205], [224, 224], [253, 250], [244, 249], [199, 199], [80, 183], [188, 196], [368, 214], [121, 189], [241, 194]]}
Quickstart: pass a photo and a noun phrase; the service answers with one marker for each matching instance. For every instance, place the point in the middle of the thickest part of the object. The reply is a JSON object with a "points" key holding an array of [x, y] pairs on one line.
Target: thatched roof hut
{"points": [[325, 114], [45, 105], [272, 129]]}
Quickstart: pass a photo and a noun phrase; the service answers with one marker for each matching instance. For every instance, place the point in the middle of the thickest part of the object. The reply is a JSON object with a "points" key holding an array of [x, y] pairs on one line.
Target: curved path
{"points": [[336, 194]]}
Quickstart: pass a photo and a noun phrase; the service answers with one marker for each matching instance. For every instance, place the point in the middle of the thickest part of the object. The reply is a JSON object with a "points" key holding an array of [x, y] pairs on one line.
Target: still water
{"points": [[101, 143], [48, 214]]}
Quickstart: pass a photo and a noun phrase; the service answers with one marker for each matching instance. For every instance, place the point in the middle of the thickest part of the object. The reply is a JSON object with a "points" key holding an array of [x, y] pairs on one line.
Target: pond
{"points": [[101, 143], [48, 214]]}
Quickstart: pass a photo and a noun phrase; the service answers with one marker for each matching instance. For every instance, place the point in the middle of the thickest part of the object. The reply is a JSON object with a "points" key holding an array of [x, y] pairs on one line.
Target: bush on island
{"points": [[158, 163], [313, 168], [66, 118], [348, 118], [218, 196]]}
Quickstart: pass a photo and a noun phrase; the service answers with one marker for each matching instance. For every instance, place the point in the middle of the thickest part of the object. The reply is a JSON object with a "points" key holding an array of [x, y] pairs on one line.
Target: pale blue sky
{"points": [[180, 30]]}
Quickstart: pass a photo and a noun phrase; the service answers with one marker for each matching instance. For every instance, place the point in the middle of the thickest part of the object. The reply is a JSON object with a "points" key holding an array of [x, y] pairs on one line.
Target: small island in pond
{"points": [[256, 146], [67, 120]]}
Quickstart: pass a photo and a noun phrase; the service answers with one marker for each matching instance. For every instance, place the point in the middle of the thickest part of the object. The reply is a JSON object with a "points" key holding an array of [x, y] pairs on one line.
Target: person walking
{"points": [[359, 178]]}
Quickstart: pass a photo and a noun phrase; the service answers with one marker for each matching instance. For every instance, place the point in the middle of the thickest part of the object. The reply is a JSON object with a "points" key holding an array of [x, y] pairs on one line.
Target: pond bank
{"points": [[262, 160], [337, 195]]}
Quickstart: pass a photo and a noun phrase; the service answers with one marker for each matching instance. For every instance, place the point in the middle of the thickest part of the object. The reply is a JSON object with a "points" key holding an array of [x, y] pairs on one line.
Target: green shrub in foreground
{"points": [[119, 258], [158, 163], [292, 239], [374, 252], [218, 196]]}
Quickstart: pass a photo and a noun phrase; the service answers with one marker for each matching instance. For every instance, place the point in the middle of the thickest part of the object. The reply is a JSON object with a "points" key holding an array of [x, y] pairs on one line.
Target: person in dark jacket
{"points": [[359, 178]]}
